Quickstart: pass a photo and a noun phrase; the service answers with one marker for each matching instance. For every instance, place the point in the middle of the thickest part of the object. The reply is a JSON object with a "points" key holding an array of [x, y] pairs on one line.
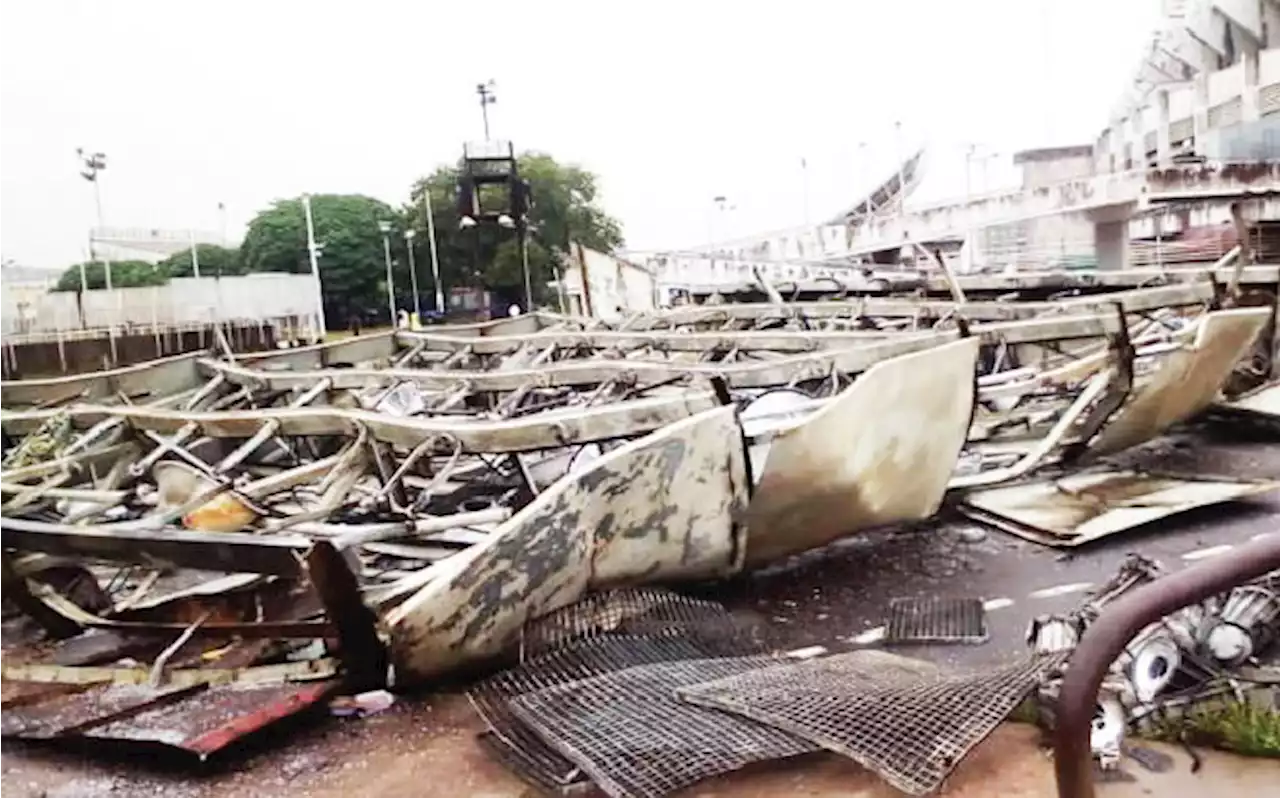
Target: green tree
{"points": [[214, 261], [124, 274], [565, 208], [352, 271]]}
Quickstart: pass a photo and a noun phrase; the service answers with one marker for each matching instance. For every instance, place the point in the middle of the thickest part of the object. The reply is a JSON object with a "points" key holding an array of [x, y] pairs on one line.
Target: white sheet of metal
{"points": [[660, 508], [881, 452], [1187, 381], [1079, 508]]}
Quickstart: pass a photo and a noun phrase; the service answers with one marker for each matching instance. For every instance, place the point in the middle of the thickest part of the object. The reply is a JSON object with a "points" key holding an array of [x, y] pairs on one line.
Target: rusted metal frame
{"points": [[346, 536], [85, 462], [226, 551], [1105, 639], [983, 311], [545, 431], [391, 485], [269, 428], [100, 384], [16, 590], [176, 442], [364, 657], [184, 677], [754, 375], [1119, 392]]}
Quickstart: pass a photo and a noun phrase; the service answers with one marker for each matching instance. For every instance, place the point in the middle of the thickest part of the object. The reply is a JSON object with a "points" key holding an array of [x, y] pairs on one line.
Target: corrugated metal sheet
{"points": [[199, 719]]}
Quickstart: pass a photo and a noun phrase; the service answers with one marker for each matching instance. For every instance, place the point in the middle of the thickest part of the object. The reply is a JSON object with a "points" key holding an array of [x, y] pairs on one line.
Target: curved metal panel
{"points": [[1187, 381], [881, 452], [660, 508]]}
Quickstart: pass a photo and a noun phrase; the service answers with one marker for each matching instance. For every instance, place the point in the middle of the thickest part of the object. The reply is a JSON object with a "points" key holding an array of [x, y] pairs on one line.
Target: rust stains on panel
{"points": [[659, 508]]}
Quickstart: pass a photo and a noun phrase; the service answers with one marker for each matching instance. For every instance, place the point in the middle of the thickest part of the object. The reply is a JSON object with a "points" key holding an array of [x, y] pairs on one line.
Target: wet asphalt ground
{"points": [[837, 597]]}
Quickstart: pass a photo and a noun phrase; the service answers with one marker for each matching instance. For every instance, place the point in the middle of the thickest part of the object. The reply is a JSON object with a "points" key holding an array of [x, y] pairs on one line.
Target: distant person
{"points": [[354, 323]]}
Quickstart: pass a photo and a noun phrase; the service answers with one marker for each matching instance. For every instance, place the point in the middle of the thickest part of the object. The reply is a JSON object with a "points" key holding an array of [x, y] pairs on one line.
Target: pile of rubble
{"points": [[1192, 660]]}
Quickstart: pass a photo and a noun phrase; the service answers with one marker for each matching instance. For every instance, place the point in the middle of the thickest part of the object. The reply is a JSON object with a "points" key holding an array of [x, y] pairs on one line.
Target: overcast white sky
{"points": [[198, 102]]}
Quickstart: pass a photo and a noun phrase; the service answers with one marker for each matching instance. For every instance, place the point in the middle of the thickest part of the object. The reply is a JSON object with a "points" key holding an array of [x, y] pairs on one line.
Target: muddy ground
{"points": [[424, 745]]}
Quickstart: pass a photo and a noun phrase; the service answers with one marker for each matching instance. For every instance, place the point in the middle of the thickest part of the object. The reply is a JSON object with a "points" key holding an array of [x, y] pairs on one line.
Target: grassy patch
{"points": [[1240, 727]]}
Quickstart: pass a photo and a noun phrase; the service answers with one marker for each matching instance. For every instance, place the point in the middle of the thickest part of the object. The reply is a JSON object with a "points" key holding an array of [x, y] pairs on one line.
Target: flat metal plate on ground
{"points": [[200, 719], [1078, 508], [909, 728], [635, 739], [936, 620]]}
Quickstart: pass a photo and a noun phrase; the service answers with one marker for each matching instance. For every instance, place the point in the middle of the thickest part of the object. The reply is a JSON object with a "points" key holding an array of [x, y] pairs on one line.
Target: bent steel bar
{"points": [[1135, 301], [1106, 638], [544, 431]]}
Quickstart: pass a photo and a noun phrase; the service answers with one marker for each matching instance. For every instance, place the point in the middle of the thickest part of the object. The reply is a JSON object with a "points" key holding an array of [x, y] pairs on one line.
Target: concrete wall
{"points": [[1044, 167], [617, 287], [185, 300], [45, 358], [1216, 64]]}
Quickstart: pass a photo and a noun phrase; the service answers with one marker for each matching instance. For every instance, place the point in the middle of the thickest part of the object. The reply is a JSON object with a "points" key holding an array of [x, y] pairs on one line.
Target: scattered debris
{"points": [[362, 704], [260, 534], [1181, 671]]}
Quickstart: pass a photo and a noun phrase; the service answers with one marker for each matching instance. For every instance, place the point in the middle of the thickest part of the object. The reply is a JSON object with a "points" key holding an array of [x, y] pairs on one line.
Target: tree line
{"points": [[352, 267]]}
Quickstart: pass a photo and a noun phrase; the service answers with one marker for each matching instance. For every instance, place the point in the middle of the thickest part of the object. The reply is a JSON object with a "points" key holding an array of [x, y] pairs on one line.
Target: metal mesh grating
{"points": [[936, 620], [911, 729], [604, 633], [514, 744], [650, 612], [634, 738]]}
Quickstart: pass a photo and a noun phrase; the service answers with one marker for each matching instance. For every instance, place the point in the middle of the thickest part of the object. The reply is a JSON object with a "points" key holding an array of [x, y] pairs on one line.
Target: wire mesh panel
{"points": [[936, 620], [635, 739], [605, 632], [911, 728], [514, 744], [649, 612]]}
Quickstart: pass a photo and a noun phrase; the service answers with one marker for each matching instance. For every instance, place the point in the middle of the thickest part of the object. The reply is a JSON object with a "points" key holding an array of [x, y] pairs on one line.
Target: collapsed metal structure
{"points": [[395, 508]]}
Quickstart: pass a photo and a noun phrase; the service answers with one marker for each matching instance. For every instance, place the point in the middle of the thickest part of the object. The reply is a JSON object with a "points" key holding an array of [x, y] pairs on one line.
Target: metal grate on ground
{"points": [[936, 620], [909, 728], [519, 748], [635, 739], [605, 632], [649, 612]]}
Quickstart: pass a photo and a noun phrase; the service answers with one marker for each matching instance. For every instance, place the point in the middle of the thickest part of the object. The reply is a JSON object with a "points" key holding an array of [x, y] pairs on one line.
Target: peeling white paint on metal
{"points": [[880, 452], [1078, 508], [1187, 382], [657, 509]]}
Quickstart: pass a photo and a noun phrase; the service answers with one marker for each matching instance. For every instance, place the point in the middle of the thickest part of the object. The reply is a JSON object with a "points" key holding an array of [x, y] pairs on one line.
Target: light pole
{"points": [[522, 233], [902, 178], [385, 229], [409, 235], [804, 178], [92, 164], [431, 240], [313, 253], [487, 98], [863, 171]]}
